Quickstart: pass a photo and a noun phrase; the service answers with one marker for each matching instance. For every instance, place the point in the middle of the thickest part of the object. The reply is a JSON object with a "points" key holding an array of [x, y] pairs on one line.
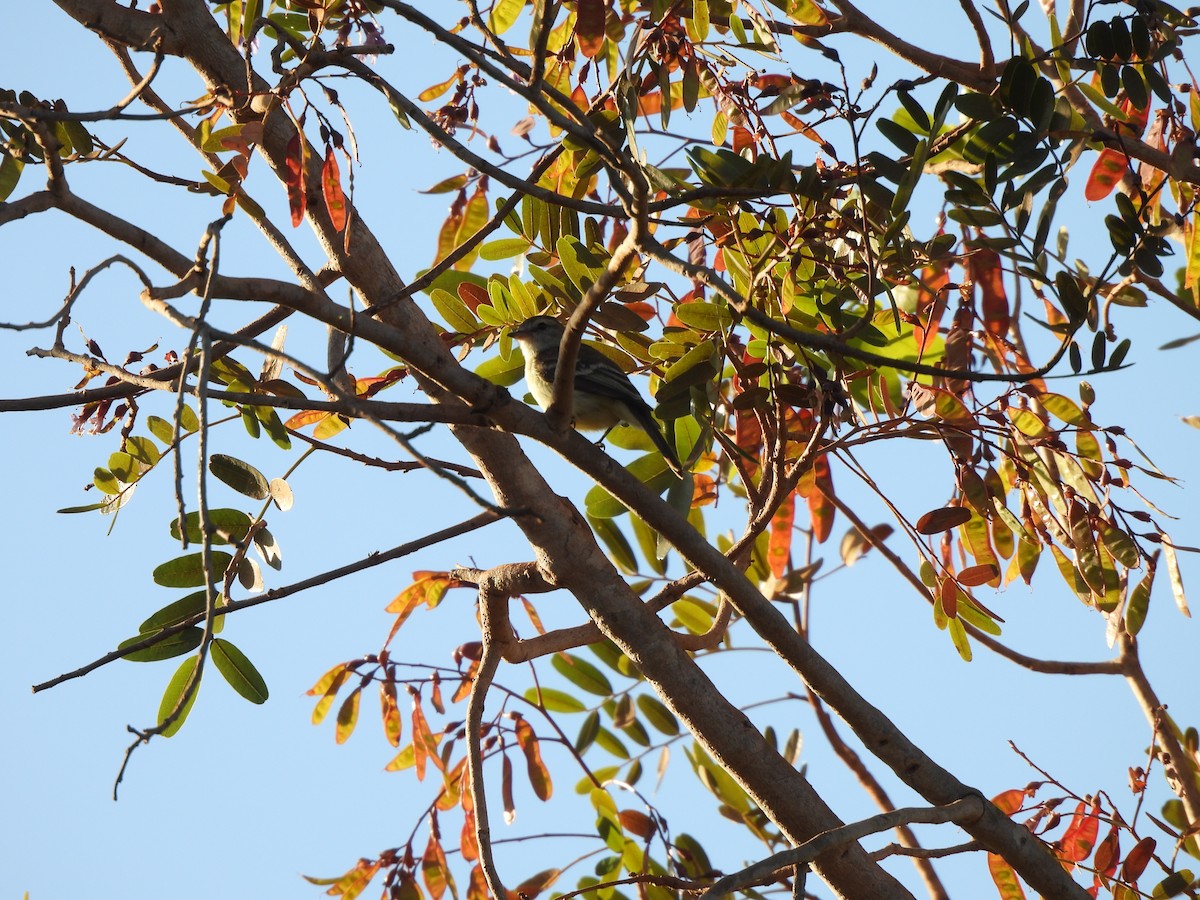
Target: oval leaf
{"points": [[176, 645], [173, 694], [943, 519], [239, 475], [239, 671]]}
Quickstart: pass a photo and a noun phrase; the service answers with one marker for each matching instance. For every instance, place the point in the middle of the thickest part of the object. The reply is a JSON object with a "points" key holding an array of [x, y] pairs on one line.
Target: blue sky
{"points": [[246, 798]]}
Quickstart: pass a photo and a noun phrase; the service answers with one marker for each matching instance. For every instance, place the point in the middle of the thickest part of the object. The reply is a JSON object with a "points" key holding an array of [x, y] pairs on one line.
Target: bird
{"points": [[604, 397]]}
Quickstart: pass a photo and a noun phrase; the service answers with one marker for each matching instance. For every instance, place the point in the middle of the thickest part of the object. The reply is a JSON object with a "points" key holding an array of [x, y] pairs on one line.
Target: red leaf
{"points": [[820, 505], [506, 789], [1076, 844], [989, 277], [589, 26], [943, 519], [331, 186], [1137, 859], [973, 576], [1108, 169], [948, 598], [1108, 854], [293, 178], [472, 295]]}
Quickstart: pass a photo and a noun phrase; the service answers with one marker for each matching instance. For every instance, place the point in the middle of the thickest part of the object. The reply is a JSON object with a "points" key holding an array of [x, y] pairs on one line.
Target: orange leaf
{"points": [[422, 738], [742, 140], [467, 845], [435, 91], [347, 717], [589, 26], [433, 868], [447, 234], [534, 618], [535, 884], [1108, 169], [293, 178], [1010, 801], [477, 887], [391, 712], [468, 680], [779, 547], [931, 303], [807, 131], [331, 186], [539, 775], [985, 269]]}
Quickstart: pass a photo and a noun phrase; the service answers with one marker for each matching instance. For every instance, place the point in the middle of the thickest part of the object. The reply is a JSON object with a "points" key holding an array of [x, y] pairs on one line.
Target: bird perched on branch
{"points": [[604, 395]]}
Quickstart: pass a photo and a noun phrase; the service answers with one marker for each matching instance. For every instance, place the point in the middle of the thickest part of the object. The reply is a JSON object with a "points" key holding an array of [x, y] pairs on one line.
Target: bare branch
{"points": [[961, 811]]}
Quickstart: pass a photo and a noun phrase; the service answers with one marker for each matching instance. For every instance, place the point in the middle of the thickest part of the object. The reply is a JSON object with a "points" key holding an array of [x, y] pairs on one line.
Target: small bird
{"points": [[604, 395]]}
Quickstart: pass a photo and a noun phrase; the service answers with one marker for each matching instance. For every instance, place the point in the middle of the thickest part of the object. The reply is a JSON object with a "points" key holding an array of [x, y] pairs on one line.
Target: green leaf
{"points": [[504, 14], [123, 466], [454, 312], [105, 481], [583, 265], [958, 634], [555, 701], [701, 316], [239, 475], [658, 715], [582, 674], [618, 546], [239, 671], [230, 525], [174, 693], [161, 429], [1139, 599], [503, 248], [81, 509], [176, 645], [189, 420], [650, 469], [695, 615], [1066, 409], [10, 174], [587, 731], [174, 613], [188, 570], [142, 449]]}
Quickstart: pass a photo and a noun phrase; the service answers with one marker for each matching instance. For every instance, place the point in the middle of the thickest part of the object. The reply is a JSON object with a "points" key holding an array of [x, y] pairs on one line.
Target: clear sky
{"points": [[247, 798]]}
